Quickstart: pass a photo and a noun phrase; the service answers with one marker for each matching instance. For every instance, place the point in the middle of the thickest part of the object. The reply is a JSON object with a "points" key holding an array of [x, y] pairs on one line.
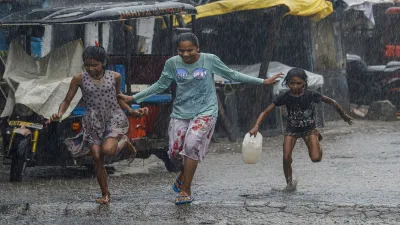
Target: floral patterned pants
{"points": [[190, 138]]}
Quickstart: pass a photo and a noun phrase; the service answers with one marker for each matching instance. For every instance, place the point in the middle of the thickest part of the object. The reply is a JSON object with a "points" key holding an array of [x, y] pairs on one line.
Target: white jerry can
{"points": [[251, 148]]}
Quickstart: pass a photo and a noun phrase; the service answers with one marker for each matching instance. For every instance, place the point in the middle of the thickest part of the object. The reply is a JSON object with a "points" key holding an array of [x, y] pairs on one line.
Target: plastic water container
{"points": [[251, 148]]}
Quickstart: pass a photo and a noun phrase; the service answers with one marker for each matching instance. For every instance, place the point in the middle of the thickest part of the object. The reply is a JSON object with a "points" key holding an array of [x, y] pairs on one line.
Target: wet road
{"points": [[357, 182]]}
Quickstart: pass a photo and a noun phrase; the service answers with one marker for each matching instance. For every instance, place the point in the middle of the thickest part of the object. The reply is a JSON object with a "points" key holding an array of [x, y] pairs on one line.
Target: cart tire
{"points": [[18, 159], [394, 98], [171, 167], [162, 153]]}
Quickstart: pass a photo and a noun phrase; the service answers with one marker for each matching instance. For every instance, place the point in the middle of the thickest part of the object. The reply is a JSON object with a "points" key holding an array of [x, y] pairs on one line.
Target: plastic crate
{"points": [[158, 99], [135, 106], [79, 111]]}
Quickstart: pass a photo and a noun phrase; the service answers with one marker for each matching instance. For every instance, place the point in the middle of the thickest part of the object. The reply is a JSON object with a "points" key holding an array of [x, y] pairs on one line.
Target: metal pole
{"points": [[1, 89], [171, 34], [82, 33], [28, 39], [128, 57], [193, 24], [100, 33]]}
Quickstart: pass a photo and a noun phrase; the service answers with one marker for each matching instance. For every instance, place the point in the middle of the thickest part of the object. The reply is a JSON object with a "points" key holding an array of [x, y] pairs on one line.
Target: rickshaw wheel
{"points": [[162, 153], [18, 159], [91, 170]]}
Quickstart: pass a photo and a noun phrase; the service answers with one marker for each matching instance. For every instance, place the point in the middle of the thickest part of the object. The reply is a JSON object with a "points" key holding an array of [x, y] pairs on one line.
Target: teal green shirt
{"points": [[195, 92]]}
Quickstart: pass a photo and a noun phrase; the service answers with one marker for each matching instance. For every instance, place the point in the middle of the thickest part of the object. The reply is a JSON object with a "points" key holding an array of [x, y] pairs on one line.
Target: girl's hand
{"points": [[47, 123], [55, 117], [144, 111], [126, 98], [135, 113], [272, 80], [254, 131], [139, 112], [348, 119]]}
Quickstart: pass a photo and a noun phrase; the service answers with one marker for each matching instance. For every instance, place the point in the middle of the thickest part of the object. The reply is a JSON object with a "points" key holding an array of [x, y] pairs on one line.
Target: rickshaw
{"points": [[30, 141]]}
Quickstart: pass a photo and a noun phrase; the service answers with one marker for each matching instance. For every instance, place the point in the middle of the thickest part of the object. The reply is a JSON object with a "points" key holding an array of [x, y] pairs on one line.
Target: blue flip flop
{"points": [[177, 189], [183, 199]]}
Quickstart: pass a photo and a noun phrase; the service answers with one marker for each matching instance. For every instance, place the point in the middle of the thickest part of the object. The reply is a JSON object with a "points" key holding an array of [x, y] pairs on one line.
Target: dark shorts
{"points": [[303, 133]]}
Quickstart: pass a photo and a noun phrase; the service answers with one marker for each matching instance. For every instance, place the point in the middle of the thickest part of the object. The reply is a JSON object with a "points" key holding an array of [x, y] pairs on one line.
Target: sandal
{"points": [[105, 200], [176, 186], [183, 198]]}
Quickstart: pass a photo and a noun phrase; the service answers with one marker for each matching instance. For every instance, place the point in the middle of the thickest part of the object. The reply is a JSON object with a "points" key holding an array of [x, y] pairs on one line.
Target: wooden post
{"points": [[224, 120], [274, 15], [263, 94]]}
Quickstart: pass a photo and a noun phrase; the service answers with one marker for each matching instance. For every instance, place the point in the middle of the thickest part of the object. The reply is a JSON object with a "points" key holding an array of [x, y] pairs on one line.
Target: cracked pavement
{"points": [[355, 183]]}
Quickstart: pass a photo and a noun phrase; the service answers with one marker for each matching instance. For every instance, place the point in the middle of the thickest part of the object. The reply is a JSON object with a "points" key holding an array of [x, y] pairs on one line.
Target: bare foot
{"points": [[132, 150], [291, 186], [105, 200]]}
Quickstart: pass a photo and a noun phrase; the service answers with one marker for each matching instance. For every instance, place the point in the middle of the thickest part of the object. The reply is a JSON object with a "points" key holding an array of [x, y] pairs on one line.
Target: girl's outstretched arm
{"points": [[338, 108], [260, 119], [224, 71], [121, 102], [73, 88], [159, 86]]}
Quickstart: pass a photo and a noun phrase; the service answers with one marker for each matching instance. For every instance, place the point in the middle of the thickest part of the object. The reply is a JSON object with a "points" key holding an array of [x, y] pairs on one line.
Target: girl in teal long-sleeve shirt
{"points": [[195, 108]]}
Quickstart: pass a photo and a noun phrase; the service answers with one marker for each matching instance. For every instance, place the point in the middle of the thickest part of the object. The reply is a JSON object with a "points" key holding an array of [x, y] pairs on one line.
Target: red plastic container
{"points": [[154, 104], [137, 127]]}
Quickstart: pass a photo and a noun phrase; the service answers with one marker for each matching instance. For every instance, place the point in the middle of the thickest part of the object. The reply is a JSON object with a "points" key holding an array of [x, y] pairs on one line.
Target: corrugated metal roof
{"points": [[97, 12]]}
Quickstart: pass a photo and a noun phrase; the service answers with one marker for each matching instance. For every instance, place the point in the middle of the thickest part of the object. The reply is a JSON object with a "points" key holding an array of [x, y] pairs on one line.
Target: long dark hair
{"points": [[187, 37], [295, 72]]}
